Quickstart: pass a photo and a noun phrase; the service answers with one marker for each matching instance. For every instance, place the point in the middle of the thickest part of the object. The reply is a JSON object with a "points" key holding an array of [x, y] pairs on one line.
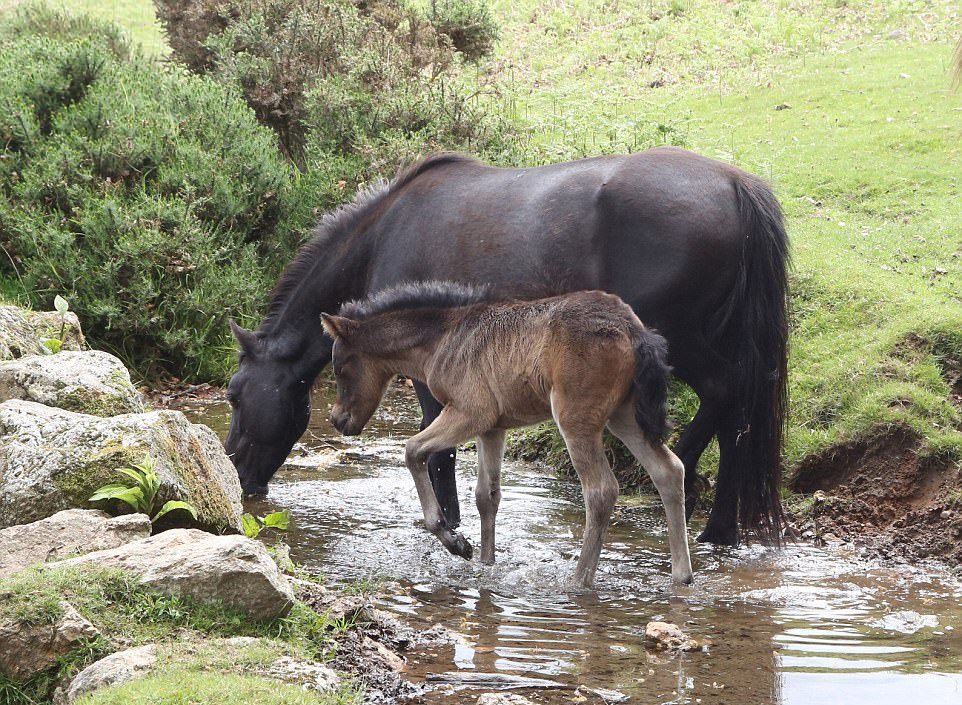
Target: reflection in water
{"points": [[798, 626]]}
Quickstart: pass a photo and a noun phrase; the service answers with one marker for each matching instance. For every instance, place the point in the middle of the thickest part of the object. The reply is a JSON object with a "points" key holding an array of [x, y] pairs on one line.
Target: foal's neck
{"points": [[408, 340]]}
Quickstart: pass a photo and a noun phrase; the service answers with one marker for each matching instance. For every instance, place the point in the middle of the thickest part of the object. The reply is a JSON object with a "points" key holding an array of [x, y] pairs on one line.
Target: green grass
{"points": [[187, 686], [847, 109]]}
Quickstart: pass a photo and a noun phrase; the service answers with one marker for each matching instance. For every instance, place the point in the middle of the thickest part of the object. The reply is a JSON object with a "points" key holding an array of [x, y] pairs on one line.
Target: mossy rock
{"points": [[53, 459], [90, 382]]}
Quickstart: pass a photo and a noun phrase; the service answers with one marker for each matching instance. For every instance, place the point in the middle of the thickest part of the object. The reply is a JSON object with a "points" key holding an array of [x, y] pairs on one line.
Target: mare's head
{"points": [[362, 377], [271, 406]]}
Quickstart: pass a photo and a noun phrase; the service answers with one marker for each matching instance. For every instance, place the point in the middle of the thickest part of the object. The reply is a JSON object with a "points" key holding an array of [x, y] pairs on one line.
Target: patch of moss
{"points": [[85, 401], [203, 489], [77, 483]]}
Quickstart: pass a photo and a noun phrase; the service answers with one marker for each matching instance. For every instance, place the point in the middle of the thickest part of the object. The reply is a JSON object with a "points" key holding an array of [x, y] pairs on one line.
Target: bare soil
{"points": [[881, 495]]}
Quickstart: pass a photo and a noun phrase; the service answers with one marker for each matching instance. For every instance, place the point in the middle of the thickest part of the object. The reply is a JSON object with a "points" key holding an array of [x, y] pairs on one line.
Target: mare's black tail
{"points": [[753, 330], [650, 386]]}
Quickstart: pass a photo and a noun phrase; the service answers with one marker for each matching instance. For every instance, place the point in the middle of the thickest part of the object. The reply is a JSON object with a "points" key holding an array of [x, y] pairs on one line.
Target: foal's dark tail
{"points": [[650, 386], [753, 331]]}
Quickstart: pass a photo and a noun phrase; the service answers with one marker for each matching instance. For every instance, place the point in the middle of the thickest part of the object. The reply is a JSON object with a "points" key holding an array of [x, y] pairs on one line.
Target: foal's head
{"points": [[362, 377], [371, 336]]}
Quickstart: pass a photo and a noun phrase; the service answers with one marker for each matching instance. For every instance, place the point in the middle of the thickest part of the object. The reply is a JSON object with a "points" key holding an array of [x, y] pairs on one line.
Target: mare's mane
{"points": [[341, 220], [416, 295]]}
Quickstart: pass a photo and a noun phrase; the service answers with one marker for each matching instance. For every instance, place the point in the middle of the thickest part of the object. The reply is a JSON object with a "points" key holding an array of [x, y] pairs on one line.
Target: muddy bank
{"points": [[885, 496]]}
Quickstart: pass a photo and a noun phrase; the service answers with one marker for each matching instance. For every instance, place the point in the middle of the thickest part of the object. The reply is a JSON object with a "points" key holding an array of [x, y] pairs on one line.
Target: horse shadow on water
{"points": [[695, 247], [583, 359]]}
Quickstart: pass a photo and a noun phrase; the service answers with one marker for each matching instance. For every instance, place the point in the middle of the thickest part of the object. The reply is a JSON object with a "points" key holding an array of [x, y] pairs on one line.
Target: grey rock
{"points": [[29, 649], [307, 674], [53, 459], [91, 382], [22, 332], [233, 570], [67, 533], [116, 669]]}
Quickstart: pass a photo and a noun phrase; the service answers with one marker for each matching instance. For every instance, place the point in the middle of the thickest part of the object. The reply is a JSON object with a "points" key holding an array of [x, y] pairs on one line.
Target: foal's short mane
{"points": [[343, 219], [416, 295]]}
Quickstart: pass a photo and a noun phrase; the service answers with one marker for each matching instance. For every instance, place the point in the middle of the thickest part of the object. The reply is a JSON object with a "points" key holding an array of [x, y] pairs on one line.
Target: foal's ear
{"points": [[338, 326]]}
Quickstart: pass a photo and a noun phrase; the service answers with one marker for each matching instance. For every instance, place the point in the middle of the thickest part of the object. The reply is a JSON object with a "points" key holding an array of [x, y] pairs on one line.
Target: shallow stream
{"points": [[799, 626]]}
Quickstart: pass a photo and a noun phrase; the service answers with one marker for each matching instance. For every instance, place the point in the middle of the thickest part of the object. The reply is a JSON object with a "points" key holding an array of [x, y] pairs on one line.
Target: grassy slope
{"points": [[865, 155]]}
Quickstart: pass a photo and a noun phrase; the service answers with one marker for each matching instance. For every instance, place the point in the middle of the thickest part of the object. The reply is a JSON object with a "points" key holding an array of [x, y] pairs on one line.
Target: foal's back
{"points": [[510, 359]]}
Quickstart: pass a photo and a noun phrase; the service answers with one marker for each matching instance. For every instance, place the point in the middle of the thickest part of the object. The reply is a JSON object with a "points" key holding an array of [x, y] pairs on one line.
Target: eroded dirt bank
{"points": [[883, 495]]}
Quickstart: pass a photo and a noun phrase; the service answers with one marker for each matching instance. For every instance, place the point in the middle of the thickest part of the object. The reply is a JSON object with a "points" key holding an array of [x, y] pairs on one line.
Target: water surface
{"points": [[799, 626]]}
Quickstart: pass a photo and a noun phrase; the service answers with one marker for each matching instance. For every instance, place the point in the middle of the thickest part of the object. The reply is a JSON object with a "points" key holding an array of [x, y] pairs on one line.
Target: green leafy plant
{"points": [[55, 345], [142, 495], [253, 525]]}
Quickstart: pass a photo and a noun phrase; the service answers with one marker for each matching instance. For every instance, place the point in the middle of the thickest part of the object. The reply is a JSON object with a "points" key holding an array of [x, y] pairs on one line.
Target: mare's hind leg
{"points": [[722, 526], [449, 429], [487, 493], [667, 472], [440, 464], [600, 489]]}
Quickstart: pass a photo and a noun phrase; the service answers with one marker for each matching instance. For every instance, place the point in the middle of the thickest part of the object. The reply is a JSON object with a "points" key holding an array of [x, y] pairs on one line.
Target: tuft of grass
{"points": [[188, 686]]}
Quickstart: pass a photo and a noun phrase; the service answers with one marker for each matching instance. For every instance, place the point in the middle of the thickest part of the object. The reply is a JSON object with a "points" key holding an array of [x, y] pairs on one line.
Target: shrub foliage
{"points": [[370, 78], [148, 197]]}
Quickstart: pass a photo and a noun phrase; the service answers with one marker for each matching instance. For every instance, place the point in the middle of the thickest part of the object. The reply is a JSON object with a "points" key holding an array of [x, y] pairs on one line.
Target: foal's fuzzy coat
{"points": [[584, 359]]}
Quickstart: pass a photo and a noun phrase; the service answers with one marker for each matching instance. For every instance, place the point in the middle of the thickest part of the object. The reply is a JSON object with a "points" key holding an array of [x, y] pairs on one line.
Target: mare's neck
{"points": [[336, 273]]}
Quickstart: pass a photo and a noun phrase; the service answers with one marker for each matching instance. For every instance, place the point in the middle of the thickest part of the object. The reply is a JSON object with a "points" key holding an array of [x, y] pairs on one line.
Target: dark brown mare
{"points": [[583, 359], [696, 247]]}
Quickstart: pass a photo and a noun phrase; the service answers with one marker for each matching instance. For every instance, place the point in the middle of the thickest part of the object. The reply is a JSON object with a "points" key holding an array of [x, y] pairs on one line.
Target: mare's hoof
{"points": [[461, 547], [719, 537]]}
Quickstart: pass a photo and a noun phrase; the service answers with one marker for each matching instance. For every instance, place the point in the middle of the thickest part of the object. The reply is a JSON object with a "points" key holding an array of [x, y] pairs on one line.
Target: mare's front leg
{"points": [[487, 493], [449, 429], [440, 464]]}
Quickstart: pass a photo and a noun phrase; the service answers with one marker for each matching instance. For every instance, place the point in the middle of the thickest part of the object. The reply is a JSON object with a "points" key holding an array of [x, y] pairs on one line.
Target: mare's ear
{"points": [[338, 326], [245, 338]]}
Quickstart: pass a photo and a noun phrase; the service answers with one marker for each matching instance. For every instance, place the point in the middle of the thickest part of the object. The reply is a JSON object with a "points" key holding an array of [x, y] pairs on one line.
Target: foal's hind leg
{"points": [[487, 493], [600, 489], [668, 474], [448, 430]]}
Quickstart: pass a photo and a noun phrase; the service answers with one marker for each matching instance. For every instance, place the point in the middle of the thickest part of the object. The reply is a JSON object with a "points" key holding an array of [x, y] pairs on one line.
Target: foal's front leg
{"points": [[487, 493], [448, 430]]}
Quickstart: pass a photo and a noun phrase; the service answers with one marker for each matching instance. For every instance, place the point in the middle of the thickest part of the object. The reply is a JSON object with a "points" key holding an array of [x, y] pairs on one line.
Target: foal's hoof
{"points": [[460, 547], [719, 537]]}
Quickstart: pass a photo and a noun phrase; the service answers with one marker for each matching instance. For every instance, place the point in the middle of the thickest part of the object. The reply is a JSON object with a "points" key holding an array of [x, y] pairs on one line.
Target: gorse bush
{"points": [[147, 196], [469, 24], [160, 201], [369, 79]]}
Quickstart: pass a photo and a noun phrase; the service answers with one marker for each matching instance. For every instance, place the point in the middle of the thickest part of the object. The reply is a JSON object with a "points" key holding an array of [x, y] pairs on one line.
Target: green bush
{"points": [[374, 80], [469, 24], [149, 197]]}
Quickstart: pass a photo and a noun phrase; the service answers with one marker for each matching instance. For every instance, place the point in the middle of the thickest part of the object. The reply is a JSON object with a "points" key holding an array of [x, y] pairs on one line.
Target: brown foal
{"points": [[584, 359]]}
